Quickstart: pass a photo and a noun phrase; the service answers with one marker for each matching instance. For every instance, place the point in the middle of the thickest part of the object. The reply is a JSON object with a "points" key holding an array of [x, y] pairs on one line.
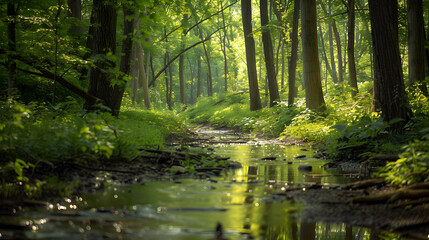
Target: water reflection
{"points": [[240, 200]]}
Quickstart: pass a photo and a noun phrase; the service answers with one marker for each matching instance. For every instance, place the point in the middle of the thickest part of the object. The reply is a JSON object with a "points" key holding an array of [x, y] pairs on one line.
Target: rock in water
{"points": [[305, 168]]}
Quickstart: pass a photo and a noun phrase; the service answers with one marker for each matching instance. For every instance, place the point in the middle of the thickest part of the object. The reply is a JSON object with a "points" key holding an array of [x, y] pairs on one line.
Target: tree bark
{"points": [[351, 47], [182, 79], [191, 95], [331, 53], [225, 63], [246, 11], [312, 79], [198, 76], [209, 79], [182, 86], [387, 60], [170, 93], [134, 73], [142, 76], [416, 48], [11, 37], [339, 53], [125, 65], [268, 53], [323, 50], [294, 53], [103, 41], [427, 51], [75, 12]]}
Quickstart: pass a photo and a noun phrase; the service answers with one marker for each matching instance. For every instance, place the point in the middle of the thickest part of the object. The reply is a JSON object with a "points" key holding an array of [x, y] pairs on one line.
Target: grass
{"points": [[36, 138]]}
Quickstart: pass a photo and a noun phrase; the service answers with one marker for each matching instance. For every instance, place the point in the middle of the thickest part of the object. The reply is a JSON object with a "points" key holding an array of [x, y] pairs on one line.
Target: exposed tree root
{"points": [[412, 193]]}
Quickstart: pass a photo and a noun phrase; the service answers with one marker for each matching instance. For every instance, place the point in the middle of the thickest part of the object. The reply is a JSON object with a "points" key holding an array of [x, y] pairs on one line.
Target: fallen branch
{"points": [[103, 169]]}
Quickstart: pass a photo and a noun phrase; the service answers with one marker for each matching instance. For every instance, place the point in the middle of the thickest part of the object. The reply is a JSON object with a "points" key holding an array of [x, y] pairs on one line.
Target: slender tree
{"points": [[339, 53], [246, 11], [142, 76], [125, 65], [313, 87], [209, 68], [331, 53], [11, 36], [294, 53], [351, 47], [268, 53], [416, 49], [198, 76], [388, 70], [182, 62], [223, 48]]}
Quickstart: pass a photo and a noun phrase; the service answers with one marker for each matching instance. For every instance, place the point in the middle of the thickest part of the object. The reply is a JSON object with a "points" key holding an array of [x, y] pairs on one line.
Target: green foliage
{"points": [[413, 165], [232, 110], [419, 103], [149, 128], [37, 141]]}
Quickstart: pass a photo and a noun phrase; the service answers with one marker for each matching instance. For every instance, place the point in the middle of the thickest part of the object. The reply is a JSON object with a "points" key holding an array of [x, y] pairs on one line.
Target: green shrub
{"points": [[413, 165]]}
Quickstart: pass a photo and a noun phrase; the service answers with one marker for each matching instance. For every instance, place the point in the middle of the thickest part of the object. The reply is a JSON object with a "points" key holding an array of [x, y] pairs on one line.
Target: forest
{"points": [[97, 95]]}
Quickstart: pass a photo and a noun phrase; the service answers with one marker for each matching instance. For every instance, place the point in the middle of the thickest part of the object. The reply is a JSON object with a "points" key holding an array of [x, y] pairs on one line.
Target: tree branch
{"points": [[47, 74], [178, 55], [202, 20], [214, 14]]}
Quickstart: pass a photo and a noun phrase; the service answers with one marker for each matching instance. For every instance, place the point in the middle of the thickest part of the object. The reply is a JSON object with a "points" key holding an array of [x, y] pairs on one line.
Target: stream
{"points": [[238, 204]]}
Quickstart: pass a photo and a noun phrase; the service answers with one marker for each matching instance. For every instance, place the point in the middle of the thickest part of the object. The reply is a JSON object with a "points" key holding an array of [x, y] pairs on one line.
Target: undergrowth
{"points": [[36, 141]]}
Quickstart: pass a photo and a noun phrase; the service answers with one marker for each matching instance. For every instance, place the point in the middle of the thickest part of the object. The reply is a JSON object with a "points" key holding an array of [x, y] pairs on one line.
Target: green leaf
{"points": [[341, 128], [395, 120]]}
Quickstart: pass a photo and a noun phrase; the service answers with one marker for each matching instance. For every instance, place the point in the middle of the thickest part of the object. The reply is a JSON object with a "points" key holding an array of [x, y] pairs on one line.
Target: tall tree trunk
{"points": [[427, 51], [125, 65], [294, 53], [134, 73], [416, 48], [313, 85], [75, 12], [143, 81], [225, 63], [181, 64], [182, 79], [209, 77], [167, 85], [331, 52], [191, 96], [339, 53], [389, 76], [142, 76], [351, 47], [323, 50], [376, 91], [170, 93], [11, 37], [199, 77], [246, 11], [103, 41], [283, 65], [268, 52]]}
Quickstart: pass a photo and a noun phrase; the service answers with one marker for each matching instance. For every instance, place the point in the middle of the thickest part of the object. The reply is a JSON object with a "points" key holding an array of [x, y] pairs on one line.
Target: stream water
{"points": [[239, 201]]}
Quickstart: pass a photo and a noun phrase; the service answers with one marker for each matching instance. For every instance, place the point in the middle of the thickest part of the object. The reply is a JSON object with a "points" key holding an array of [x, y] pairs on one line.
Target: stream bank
{"points": [[271, 196]]}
